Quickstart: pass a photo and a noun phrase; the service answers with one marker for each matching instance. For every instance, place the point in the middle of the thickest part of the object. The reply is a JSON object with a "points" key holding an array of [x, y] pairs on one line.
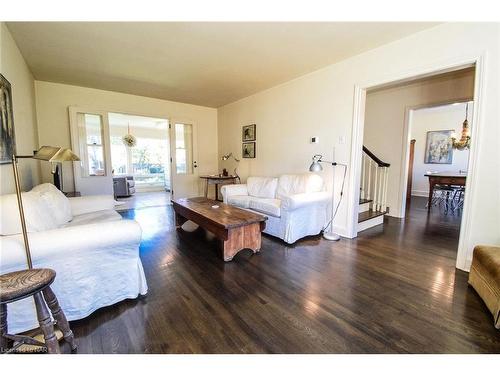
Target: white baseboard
{"points": [[420, 193], [370, 223], [341, 231]]}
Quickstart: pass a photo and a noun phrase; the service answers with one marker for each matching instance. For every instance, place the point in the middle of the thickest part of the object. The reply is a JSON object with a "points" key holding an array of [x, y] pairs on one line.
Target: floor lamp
{"points": [[47, 153], [317, 167]]}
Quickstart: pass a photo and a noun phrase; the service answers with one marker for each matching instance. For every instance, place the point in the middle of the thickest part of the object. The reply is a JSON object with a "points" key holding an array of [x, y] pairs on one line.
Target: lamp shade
{"points": [[55, 154], [315, 167]]}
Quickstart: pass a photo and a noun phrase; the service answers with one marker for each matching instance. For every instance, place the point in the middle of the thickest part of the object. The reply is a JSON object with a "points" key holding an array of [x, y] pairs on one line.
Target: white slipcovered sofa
{"points": [[94, 252], [296, 205]]}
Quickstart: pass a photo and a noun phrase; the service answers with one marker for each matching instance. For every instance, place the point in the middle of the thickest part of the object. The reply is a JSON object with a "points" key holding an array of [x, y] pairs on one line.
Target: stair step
{"points": [[363, 201], [370, 214]]}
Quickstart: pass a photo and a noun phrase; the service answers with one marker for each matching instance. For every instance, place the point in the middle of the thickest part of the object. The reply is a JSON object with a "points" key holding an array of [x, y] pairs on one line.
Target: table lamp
{"points": [[227, 157]]}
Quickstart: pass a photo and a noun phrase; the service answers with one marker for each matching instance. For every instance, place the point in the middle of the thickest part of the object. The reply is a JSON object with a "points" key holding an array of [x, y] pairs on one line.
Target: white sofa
{"points": [[296, 205], [94, 252]]}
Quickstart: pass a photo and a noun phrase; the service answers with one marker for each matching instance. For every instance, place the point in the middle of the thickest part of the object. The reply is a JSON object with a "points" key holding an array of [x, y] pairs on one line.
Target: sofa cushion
{"points": [[94, 217], [37, 214], [290, 184], [57, 202], [268, 206], [262, 187], [242, 201]]}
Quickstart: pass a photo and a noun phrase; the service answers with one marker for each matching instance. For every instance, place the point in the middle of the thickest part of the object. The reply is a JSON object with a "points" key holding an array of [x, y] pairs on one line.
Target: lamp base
{"points": [[330, 236]]}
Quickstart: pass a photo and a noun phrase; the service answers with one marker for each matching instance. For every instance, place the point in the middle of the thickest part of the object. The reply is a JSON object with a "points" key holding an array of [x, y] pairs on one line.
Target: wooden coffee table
{"points": [[238, 229]]}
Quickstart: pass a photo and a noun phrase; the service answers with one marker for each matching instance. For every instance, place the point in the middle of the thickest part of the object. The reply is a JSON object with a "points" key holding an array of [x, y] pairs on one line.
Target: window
{"points": [[184, 148], [91, 145]]}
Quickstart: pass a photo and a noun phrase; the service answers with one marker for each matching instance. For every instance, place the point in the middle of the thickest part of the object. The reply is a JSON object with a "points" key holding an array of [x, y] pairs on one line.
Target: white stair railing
{"points": [[374, 180]]}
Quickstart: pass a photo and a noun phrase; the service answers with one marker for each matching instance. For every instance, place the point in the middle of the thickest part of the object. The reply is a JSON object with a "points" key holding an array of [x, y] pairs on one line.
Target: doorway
{"points": [[464, 253], [132, 155], [147, 161], [431, 155]]}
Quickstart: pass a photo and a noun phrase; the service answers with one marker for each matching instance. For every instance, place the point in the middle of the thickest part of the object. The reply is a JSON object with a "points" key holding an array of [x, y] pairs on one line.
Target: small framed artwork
{"points": [[7, 140], [248, 150], [438, 148], [248, 133]]}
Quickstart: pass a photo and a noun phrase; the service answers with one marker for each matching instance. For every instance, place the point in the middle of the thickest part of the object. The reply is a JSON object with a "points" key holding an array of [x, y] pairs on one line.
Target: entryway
{"points": [[469, 76]]}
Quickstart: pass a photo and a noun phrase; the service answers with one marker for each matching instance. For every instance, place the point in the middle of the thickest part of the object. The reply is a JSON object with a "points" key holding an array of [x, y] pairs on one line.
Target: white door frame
{"points": [[161, 117], [360, 90], [403, 184]]}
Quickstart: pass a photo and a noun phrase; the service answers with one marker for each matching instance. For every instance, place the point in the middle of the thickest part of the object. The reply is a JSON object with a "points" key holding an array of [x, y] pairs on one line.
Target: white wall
{"points": [[445, 117], [385, 121], [14, 69], [53, 100], [321, 104]]}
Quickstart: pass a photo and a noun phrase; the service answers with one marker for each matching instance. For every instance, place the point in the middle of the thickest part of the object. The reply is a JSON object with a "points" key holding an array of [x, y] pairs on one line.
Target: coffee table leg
{"points": [[246, 237], [179, 220]]}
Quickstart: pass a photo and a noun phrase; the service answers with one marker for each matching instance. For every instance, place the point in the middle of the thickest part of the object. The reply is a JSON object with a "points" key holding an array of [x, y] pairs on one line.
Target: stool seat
{"points": [[20, 284]]}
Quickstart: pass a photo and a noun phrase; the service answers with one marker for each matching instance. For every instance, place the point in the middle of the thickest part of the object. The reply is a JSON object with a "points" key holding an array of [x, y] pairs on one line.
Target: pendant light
{"points": [[464, 142], [128, 139]]}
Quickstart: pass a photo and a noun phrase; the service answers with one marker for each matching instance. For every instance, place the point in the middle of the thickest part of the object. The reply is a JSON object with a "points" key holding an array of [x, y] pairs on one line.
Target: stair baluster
{"points": [[362, 184], [369, 185]]}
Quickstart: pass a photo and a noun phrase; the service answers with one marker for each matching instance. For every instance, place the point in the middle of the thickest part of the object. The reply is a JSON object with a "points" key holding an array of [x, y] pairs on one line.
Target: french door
{"points": [[184, 156], [90, 140]]}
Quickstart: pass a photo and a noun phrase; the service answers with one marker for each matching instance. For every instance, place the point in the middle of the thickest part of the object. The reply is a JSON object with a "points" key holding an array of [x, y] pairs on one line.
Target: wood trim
{"points": [[375, 158], [410, 170]]}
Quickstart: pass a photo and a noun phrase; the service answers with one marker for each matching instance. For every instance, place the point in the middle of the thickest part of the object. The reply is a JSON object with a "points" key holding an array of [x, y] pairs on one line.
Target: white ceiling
{"points": [[202, 63]]}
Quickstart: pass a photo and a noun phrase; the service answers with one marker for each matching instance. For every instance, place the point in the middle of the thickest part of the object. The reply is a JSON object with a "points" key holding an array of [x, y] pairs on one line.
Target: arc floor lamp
{"points": [[316, 166]]}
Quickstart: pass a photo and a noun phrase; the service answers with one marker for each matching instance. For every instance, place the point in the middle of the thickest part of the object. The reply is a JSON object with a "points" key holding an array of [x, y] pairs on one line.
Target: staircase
{"points": [[373, 191]]}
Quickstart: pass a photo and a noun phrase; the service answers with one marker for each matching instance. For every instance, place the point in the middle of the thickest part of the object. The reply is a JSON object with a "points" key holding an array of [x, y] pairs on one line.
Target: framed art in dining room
{"points": [[248, 133], [438, 147], [7, 139], [248, 150]]}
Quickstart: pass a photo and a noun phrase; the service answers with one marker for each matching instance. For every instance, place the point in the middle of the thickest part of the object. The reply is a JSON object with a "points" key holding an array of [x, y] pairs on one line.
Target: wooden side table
{"points": [[217, 180]]}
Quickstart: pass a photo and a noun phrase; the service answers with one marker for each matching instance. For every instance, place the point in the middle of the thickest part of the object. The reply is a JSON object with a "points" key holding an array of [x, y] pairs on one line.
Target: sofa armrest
{"points": [[91, 203], [293, 202], [233, 189], [68, 241]]}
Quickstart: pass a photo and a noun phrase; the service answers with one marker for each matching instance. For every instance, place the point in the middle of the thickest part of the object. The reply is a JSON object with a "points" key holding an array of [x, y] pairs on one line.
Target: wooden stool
{"points": [[18, 285]]}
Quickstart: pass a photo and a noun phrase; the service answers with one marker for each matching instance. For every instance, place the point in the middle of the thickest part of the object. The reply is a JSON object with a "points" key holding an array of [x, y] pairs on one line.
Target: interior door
{"points": [[90, 140], [410, 171], [184, 156]]}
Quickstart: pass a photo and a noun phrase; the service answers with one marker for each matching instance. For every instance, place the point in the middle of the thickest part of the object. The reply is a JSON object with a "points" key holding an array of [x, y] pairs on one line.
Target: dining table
{"points": [[447, 178]]}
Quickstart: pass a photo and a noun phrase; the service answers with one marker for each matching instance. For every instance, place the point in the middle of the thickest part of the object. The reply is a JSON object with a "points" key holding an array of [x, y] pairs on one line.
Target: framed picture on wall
{"points": [[438, 149], [7, 139], [248, 150], [248, 133]]}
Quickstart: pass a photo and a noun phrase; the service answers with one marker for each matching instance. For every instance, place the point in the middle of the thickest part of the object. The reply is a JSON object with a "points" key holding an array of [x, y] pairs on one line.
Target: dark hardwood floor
{"points": [[391, 290]]}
